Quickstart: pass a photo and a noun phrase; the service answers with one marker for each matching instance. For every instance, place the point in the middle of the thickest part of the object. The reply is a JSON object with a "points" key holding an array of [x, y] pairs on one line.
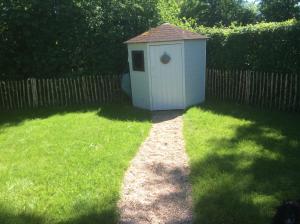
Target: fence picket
{"points": [[215, 83], [52, 91], [69, 91], [256, 88], [271, 93], [2, 96], [10, 95], [280, 91], [276, 91], [79, 90], [291, 92], [295, 96], [267, 90], [285, 92], [24, 93], [252, 89]]}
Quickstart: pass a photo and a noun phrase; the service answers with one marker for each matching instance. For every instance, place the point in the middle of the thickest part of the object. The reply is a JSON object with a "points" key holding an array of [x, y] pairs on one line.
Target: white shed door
{"points": [[166, 78]]}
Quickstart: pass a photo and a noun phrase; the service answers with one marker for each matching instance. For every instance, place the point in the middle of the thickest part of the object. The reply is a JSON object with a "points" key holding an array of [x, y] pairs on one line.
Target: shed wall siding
{"points": [[139, 80], [195, 66], [166, 81]]}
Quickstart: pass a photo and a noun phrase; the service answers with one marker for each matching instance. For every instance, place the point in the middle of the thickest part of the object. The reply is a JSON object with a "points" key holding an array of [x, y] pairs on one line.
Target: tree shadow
{"points": [[7, 217], [123, 112], [106, 216], [16, 118], [250, 172], [112, 111]]}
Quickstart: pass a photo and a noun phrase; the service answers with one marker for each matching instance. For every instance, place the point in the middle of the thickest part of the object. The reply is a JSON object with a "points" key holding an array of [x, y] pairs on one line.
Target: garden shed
{"points": [[167, 68]]}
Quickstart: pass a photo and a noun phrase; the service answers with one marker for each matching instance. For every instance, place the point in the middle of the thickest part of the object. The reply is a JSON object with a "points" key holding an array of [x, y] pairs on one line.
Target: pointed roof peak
{"points": [[165, 32]]}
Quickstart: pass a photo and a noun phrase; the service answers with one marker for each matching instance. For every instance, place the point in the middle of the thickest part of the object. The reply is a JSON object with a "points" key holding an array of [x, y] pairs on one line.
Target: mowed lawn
{"points": [[66, 166], [244, 162]]}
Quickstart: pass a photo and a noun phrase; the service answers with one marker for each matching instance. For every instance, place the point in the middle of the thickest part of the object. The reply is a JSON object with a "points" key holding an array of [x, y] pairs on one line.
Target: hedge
{"points": [[263, 47]]}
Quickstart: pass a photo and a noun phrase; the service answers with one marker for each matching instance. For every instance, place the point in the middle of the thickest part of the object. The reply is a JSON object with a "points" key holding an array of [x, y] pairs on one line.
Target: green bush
{"points": [[264, 46]]}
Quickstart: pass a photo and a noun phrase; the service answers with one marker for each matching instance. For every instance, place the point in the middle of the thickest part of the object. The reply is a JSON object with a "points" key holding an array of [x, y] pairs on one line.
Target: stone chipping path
{"points": [[155, 188]]}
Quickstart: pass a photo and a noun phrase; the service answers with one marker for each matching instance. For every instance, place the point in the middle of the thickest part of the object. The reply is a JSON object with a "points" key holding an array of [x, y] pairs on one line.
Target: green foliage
{"points": [[47, 38], [55, 38], [169, 11], [264, 47], [244, 162], [66, 166], [280, 10], [222, 12]]}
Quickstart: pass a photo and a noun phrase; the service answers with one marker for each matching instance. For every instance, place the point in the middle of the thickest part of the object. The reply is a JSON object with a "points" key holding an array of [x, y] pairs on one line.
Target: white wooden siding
{"points": [[195, 66], [166, 79], [139, 80]]}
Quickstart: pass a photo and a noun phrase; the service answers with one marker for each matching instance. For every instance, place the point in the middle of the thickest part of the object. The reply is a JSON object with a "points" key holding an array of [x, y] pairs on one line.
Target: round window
{"points": [[165, 58]]}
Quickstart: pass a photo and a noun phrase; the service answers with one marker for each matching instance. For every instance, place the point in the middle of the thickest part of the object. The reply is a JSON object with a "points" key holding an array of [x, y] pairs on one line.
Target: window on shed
{"points": [[138, 63]]}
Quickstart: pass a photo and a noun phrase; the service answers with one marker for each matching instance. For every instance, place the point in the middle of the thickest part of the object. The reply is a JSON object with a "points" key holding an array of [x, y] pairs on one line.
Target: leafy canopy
{"points": [[280, 10], [54, 38], [222, 12]]}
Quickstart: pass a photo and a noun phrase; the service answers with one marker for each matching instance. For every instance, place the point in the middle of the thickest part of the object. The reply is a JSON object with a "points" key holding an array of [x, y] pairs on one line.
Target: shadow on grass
{"points": [[17, 117], [245, 176], [9, 218], [123, 112], [112, 111], [106, 216]]}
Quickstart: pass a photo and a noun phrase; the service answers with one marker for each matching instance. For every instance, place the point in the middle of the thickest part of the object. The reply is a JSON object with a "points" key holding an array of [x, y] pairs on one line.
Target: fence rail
{"points": [[43, 92], [268, 90]]}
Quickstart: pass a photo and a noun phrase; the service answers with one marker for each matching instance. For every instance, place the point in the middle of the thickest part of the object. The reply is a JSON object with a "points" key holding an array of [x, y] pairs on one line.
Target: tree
{"points": [[59, 38], [214, 12], [280, 10]]}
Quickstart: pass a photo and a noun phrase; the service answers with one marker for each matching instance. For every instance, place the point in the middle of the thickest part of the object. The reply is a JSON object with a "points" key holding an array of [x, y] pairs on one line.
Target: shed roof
{"points": [[165, 32]]}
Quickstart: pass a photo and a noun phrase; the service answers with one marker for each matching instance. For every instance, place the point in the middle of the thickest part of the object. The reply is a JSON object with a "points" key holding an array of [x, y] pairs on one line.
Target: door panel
{"points": [[166, 79]]}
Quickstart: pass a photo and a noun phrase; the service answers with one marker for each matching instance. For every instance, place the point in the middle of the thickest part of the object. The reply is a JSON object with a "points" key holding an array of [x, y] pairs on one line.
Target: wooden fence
{"points": [[43, 92], [268, 90]]}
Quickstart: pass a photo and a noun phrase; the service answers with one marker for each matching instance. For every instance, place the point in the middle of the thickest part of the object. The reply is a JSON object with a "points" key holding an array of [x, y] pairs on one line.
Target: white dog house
{"points": [[167, 68]]}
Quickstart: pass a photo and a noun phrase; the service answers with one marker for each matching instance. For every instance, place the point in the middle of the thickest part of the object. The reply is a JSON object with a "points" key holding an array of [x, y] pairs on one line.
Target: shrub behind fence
{"points": [[33, 93], [268, 90]]}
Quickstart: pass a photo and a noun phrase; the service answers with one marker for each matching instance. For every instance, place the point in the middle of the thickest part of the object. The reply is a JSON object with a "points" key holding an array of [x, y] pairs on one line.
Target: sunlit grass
{"points": [[244, 161], [66, 167]]}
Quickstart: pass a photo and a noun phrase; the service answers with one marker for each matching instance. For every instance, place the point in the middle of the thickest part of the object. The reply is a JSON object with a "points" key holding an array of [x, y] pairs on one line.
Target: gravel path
{"points": [[155, 187]]}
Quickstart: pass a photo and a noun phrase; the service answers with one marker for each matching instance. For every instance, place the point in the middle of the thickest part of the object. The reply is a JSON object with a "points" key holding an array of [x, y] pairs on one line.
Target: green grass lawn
{"points": [[66, 166], [244, 162]]}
